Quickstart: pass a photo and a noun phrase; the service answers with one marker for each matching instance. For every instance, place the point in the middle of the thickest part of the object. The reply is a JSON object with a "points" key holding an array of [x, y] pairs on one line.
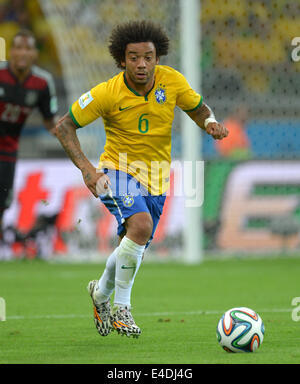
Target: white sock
{"points": [[106, 283], [128, 261]]}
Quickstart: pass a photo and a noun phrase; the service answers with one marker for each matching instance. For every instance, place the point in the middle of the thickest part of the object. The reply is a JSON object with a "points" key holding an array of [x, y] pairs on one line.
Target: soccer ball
{"points": [[240, 330]]}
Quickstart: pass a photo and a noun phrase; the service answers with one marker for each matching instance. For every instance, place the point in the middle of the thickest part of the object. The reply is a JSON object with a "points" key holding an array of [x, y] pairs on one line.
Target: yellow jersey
{"points": [[138, 128]]}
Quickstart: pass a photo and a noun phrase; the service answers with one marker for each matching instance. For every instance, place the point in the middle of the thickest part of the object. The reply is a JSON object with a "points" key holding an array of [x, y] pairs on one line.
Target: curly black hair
{"points": [[137, 32]]}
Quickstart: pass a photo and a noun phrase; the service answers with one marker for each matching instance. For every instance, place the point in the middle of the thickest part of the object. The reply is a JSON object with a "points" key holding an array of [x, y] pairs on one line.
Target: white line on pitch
{"points": [[152, 314]]}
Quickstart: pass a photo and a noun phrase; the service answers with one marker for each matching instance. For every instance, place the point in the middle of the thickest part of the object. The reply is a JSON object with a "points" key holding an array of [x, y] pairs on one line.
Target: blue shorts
{"points": [[128, 197]]}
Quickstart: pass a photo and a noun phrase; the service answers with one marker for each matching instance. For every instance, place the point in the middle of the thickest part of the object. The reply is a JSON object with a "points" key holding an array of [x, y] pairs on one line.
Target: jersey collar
{"points": [[135, 92], [15, 77]]}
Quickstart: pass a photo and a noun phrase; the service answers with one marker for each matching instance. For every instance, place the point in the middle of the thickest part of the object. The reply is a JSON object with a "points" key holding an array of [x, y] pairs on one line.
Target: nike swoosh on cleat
{"points": [[123, 109], [126, 267]]}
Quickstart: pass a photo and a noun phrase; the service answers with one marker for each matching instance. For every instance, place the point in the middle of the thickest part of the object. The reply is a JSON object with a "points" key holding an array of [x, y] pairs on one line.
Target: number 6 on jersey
{"points": [[143, 123]]}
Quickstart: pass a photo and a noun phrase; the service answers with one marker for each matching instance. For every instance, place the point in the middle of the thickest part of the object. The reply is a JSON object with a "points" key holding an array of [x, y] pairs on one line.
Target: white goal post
{"points": [[191, 135]]}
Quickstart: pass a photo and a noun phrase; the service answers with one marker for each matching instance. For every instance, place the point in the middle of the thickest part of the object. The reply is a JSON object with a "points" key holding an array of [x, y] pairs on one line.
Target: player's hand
{"points": [[217, 130], [103, 184], [95, 181]]}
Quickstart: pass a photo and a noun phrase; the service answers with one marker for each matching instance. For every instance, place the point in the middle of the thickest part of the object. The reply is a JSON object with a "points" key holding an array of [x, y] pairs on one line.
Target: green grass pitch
{"points": [[49, 312]]}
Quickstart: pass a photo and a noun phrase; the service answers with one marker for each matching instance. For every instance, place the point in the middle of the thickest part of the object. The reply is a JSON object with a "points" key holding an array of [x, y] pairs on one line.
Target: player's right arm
{"points": [[89, 107], [66, 133]]}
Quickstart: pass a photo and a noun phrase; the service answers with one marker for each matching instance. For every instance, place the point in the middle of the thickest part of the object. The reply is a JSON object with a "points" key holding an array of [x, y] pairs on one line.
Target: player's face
{"points": [[140, 61], [23, 53]]}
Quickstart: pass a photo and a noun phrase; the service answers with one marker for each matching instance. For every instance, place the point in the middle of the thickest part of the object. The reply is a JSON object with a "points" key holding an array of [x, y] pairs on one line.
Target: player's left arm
{"points": [[48, 105], [204, 117]]}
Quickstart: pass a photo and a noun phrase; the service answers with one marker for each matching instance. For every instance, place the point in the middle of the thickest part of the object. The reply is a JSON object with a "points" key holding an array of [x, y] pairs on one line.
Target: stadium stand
{"points": [[246, 51]]}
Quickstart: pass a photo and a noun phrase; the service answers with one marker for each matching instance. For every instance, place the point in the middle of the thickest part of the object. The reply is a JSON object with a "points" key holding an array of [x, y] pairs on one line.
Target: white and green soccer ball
{"points": [[240, 329]]}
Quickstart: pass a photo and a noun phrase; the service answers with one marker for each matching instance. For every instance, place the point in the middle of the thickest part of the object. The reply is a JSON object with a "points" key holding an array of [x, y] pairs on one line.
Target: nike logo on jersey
{"points": [[123, 109], [126, 267]]}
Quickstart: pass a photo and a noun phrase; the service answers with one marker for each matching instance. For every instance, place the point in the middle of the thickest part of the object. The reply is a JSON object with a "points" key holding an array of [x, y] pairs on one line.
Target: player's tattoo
{"points": [[66, 133], [215, 129], [87, 176], [201, 114]]}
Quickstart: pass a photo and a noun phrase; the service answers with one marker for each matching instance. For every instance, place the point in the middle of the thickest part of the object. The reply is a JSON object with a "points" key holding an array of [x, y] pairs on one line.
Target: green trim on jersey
{"points": [[73, 118], [128, 86], [197, 106], [135, 92]]}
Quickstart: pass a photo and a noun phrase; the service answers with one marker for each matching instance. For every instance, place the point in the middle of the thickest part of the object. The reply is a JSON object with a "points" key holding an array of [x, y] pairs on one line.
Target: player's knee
{"points": [[145, 228], [139, 227]]}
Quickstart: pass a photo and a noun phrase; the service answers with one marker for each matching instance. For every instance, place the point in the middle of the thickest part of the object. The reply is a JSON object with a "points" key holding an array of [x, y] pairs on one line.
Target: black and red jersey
{"points": [[17, 100]]}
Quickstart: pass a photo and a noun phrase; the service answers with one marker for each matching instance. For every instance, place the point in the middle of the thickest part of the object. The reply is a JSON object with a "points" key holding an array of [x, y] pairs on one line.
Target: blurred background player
{"points": [[23, 87], [137, 107]]}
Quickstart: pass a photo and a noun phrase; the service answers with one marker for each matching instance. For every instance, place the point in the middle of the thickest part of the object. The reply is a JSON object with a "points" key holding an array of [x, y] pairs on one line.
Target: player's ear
{"points": [[157, 60]]}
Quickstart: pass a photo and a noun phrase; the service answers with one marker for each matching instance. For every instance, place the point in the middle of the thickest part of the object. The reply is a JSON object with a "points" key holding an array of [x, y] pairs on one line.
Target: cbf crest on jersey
{"points": [[128, 200], [160, 94]]}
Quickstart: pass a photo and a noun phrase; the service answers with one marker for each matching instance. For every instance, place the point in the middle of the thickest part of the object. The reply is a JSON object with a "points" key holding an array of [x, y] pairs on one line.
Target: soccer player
{"points": [[137, 107], [23, 86]]}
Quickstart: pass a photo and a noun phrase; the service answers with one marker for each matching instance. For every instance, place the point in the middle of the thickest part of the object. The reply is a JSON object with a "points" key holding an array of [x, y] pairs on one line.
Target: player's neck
{"points": [[141, 89], [20, 74]]}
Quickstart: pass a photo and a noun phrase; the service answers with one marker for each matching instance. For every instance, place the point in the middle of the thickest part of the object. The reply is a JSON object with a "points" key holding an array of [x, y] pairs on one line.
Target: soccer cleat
{"points": [[123, 322], [102, 312]]}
